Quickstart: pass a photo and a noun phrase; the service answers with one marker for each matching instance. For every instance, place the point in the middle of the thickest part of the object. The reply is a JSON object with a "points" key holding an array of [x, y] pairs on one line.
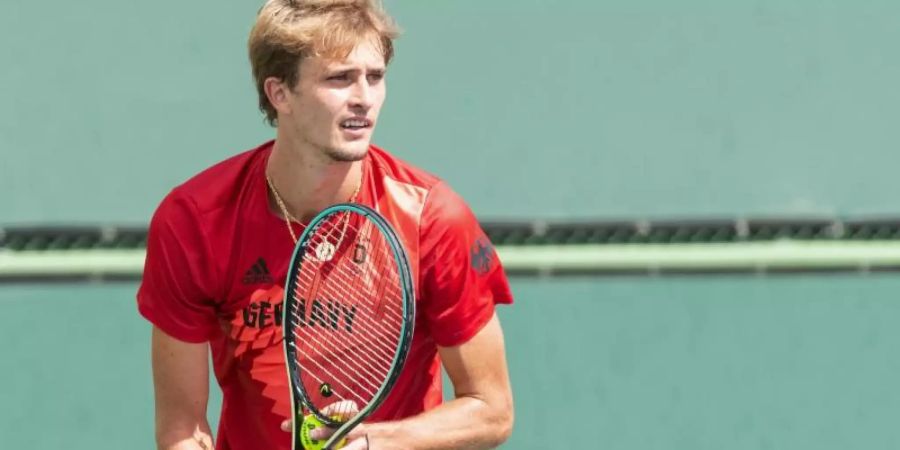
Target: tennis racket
{"points": [[348, 321]]}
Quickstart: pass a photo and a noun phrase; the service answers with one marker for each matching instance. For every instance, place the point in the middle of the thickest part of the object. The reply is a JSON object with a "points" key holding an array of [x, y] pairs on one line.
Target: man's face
{"points": [[335, 105]]}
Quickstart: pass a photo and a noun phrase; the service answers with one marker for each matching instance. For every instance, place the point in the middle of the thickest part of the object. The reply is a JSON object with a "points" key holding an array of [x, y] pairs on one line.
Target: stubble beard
{"points": [[346, 154]]}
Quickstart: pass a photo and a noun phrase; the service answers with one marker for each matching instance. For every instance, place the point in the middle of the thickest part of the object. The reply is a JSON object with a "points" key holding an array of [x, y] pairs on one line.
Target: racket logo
{"points": [[325, 390], [359, 254]]}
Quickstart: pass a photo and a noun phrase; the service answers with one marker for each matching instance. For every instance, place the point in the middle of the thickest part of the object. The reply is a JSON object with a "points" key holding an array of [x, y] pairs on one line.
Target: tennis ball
{"points": [[311, 422]]}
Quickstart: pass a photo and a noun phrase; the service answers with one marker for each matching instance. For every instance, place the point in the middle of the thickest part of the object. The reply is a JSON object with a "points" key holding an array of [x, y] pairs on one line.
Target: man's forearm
{"points": [[468, 423]]}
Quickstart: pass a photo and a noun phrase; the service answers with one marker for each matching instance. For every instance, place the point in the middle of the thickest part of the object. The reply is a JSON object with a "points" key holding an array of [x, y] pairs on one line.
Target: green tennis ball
{"points": [[311, 422]]}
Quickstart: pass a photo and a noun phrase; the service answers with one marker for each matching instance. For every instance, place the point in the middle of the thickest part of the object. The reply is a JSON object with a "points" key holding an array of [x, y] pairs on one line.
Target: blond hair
{"points": [[287, 31]]}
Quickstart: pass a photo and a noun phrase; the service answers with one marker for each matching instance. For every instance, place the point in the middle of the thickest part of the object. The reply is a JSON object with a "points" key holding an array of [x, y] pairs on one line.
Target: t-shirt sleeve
{"points": [[461, 276], [176, 293]]}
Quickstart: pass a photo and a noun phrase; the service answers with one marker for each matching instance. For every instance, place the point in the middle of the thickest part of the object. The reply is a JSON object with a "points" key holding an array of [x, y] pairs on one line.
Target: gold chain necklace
{"points": [[288, 217]]}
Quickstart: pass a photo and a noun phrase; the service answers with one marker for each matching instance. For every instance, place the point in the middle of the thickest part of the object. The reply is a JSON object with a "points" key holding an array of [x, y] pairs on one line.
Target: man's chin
{"points": [[348, 154]]}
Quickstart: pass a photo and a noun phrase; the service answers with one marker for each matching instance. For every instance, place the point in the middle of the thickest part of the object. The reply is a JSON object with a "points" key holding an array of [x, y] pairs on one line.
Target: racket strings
{"points": [[361, 296], [360, 364], [354, 391], [332, 234], [364, 284], [360, 337], [360, 370], [310, 357], [385, 326], [370, 357], [388, 288], [363, 364]]}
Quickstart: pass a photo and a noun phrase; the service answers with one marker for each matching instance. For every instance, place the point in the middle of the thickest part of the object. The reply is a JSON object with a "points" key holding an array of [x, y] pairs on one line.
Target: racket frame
{"points": [[299, 396]]}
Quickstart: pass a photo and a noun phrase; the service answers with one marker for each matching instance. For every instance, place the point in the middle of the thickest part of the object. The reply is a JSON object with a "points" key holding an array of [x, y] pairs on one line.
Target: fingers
{"points": [[323, 433], [341, 411]]}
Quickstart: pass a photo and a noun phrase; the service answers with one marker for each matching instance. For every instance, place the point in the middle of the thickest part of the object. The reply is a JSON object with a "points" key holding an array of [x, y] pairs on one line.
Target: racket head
{"points": [[349, 310]]}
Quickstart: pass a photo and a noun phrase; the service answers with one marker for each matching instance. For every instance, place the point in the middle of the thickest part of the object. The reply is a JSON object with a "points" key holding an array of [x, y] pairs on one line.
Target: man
{"points": [[220, 243]]}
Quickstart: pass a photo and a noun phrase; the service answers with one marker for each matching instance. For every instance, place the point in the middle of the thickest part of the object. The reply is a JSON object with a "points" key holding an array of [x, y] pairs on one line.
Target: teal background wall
{"points": [[601, 109], [531, 109], [627, 363]]}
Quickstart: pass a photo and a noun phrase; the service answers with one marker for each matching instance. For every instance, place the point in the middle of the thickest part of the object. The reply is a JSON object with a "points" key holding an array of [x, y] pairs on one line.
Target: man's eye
{"points": [[376, 76], [338, 77]]}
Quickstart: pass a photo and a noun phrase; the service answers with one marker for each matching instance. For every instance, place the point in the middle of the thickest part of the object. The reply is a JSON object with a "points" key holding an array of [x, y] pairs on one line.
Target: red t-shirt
{"points": [[217, 259]]}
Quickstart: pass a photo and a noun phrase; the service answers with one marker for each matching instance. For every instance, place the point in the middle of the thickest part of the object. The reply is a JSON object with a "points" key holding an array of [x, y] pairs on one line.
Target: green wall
{"points": [[605, 108], [617, 363], [590, 109]]}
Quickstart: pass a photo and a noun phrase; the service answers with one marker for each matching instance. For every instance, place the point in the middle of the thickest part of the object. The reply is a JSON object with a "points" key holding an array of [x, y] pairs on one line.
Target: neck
{"points": [[307, 180]]}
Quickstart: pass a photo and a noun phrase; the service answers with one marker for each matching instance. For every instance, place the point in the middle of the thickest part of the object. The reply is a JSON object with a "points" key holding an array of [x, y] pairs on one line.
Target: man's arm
{"points": [[181, 386], [481, 415]]}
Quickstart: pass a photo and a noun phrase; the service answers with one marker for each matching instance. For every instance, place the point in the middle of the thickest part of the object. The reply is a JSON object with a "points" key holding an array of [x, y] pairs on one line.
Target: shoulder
{"points": [[440, 203], [386, 165], [437, 206]]}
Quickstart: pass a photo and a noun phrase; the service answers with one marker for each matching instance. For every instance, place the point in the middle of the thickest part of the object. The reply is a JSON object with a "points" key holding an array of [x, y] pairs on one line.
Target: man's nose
{"points": [[362, 94]]}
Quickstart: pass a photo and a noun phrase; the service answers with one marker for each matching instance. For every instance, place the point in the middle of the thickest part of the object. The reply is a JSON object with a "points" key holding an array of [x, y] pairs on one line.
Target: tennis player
{"points": [[219, 246]]}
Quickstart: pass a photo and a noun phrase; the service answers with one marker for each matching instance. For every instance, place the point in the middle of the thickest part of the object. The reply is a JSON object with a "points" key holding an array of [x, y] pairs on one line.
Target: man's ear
{"points": [[278, 93]]}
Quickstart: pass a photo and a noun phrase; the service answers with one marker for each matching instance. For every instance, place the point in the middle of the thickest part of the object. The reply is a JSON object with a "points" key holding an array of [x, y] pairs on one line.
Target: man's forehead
{"points": [[333, 64], [361, 57]]}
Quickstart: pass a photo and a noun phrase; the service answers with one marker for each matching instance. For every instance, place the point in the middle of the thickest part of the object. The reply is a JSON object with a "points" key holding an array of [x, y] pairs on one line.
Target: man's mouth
{"points": [[356, 123]]}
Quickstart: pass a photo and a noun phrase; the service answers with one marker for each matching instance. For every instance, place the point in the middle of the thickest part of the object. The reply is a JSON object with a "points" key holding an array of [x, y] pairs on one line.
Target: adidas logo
{"points": [[258, 273]]}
